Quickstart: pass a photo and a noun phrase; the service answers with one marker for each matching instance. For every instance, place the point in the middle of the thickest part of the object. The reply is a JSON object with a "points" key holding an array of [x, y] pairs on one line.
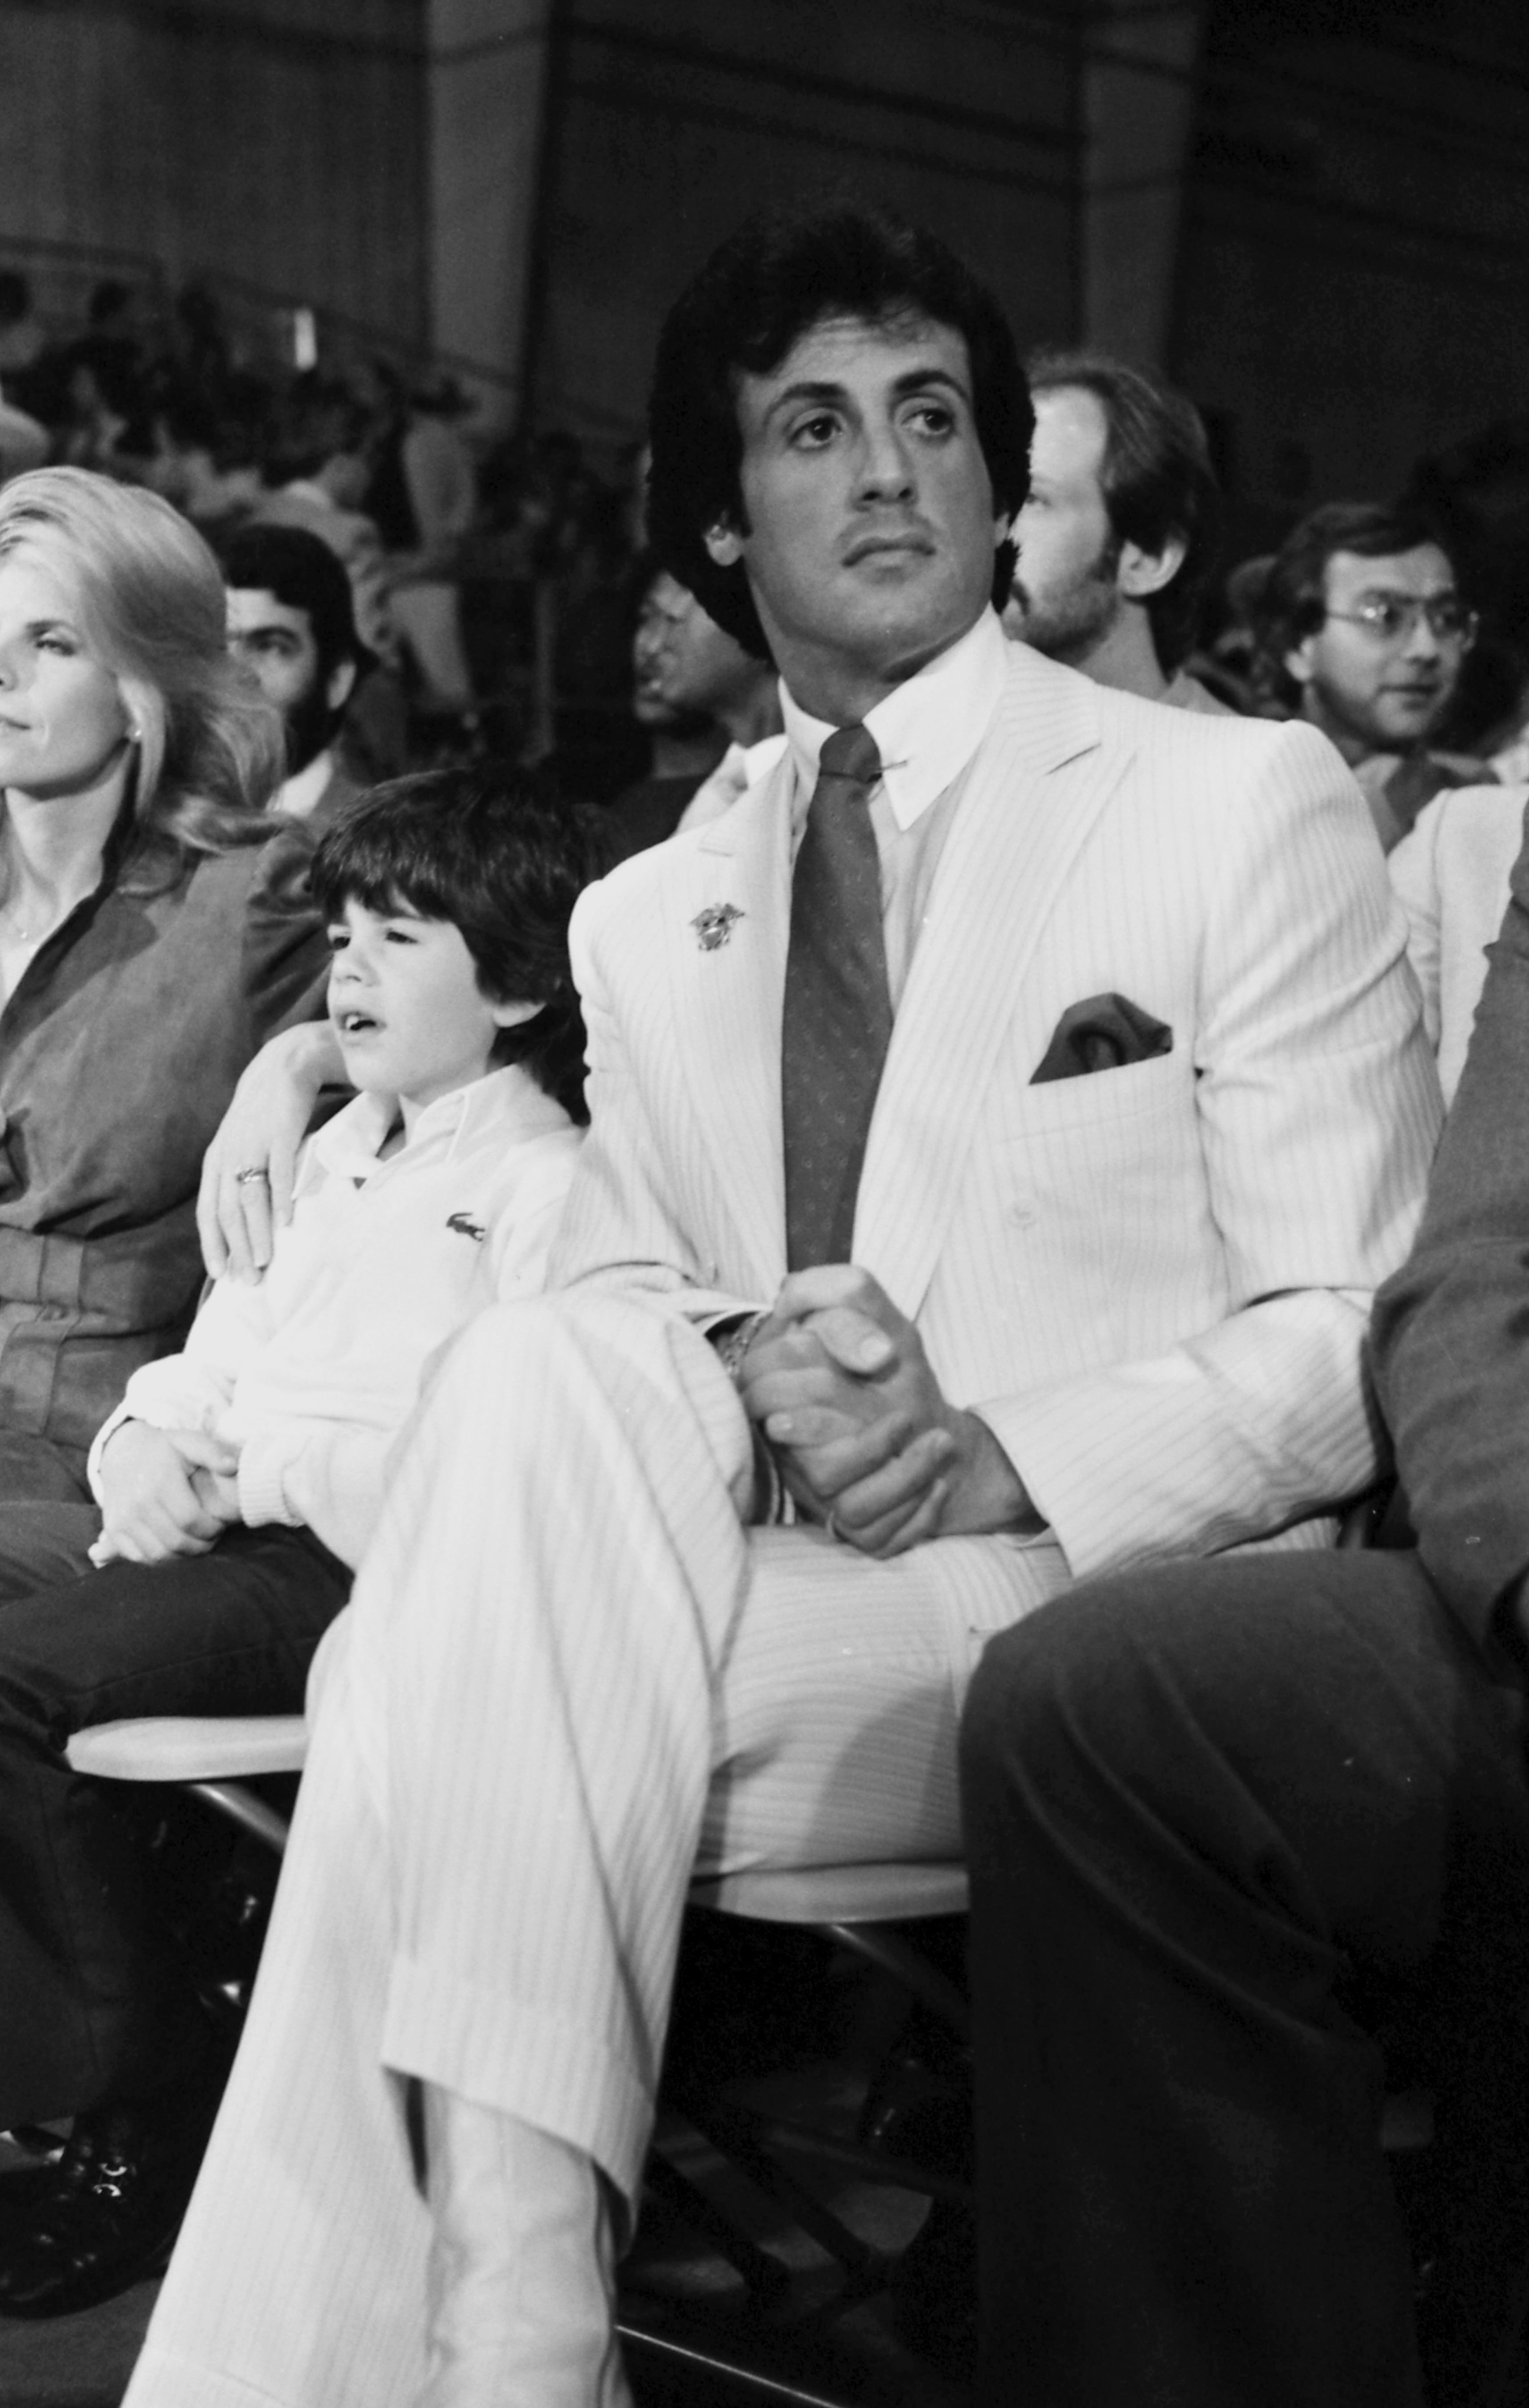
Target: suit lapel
{"points": [[1039, 779], [727, 1005]]}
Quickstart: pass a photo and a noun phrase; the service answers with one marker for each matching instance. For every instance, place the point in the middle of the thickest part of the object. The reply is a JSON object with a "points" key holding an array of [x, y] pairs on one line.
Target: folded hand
{"points": [[839, 1382]]}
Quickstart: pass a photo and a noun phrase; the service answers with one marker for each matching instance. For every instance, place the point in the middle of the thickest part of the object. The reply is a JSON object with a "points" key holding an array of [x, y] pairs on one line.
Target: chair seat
{"points": [[836, 1892], [191, 1747], [237, 1747]]}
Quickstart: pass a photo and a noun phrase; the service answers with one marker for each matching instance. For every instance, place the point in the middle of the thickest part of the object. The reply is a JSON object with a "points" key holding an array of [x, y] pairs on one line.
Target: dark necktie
{"points": [[838, 1019]]}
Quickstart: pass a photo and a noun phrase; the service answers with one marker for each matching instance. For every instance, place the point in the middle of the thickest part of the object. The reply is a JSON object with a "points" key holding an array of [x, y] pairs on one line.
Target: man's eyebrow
{"points": [[912, 380], [806, 391], [918, 380], [1404, 593]]}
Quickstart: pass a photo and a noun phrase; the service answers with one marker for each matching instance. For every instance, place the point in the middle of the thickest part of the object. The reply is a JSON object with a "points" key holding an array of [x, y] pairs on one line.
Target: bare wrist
{"points": [[313, 1053], [128, 1422]]}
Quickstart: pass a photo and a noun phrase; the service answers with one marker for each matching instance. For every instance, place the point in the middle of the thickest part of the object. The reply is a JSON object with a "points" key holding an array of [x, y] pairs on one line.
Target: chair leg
{"points": [[733, 2133], [726, 2380], [243, 1807], [882, 1946], [764, 2275]]}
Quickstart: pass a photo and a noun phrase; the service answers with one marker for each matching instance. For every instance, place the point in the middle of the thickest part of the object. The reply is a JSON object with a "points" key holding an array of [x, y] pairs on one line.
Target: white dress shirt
{"points": [[311, 1374], [927, 732], [295, 798]]}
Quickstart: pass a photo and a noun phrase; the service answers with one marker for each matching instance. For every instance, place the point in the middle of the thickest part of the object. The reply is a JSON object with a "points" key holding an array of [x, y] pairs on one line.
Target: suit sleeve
{"points": [[1318, 1108], [1413, 868], [623, 1228], [286, 958], [1452, 1329]]}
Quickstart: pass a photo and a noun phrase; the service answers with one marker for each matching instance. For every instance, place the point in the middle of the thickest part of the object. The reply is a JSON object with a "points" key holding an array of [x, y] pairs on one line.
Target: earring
{"points": [[134, 733]]}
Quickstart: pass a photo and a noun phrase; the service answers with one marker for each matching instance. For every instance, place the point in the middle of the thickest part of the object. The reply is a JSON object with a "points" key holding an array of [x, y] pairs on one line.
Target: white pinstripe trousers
{"points": [[566, 1672]]}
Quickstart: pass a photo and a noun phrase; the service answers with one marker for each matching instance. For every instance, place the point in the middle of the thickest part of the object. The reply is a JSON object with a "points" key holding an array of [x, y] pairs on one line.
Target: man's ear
{"points": [[724, 543], [515, 1013], [1297, 662], [1141, 573], [340, 685]]}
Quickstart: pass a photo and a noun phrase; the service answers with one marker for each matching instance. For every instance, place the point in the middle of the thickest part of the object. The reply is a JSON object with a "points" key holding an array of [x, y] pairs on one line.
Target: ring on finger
{"points": [[250, 1171]]}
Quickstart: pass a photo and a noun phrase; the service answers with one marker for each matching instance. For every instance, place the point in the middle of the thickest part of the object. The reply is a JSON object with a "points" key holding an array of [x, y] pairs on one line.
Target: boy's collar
{"points": [[508, 1094]]}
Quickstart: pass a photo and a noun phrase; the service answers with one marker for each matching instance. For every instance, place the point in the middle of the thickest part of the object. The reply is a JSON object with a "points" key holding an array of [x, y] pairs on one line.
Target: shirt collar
{"points": [[926, 729], [298, 795], [506, 1102], [743, 765]]}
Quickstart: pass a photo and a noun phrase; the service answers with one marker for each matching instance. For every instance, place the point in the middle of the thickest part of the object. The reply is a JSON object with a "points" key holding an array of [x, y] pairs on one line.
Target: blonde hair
{"points": [[147, 597]]}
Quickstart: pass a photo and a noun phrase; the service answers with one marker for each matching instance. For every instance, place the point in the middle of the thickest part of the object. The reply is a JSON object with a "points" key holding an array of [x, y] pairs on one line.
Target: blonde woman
{"points": [[152, 932]]}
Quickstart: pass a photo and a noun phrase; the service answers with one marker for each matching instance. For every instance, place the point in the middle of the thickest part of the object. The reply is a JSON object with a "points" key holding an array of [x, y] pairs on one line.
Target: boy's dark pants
{"points": [[93, 2005]]}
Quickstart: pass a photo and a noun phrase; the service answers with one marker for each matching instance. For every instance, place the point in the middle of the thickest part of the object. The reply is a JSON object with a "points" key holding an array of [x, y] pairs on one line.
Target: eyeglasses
{"points": [[1391, 618]]}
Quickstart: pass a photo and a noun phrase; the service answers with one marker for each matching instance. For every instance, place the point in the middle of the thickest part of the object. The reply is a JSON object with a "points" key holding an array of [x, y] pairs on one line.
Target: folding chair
{"points": [[857, 1908]]}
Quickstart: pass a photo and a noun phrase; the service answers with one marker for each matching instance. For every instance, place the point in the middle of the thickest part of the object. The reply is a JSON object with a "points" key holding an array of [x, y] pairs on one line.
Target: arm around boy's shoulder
{"points": [[286, 954]]}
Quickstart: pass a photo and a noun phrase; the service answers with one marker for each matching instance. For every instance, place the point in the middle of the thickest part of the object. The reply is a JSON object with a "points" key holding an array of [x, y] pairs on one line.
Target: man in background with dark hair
{"points": [[1120, 531], [977, 1192], [291, 624], [1364, 627], [695, 679]]}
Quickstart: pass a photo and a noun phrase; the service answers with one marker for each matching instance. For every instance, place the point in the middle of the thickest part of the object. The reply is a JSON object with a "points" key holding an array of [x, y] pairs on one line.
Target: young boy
{"points": [[238, 1480]]}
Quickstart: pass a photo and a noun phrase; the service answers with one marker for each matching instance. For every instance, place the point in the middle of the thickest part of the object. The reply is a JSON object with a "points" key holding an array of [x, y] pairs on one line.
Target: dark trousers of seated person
{"points": [[94, 2007], [1225, 1821]]}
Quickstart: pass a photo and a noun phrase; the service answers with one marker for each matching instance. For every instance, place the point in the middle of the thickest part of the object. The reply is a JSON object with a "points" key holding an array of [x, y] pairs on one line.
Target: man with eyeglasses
{"points": [[1365, 629]]}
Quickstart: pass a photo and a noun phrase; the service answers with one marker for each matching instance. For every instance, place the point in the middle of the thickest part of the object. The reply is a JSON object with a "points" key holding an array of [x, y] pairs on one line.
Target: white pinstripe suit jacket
{"points": [[1155, 1281], [1451, 874]]}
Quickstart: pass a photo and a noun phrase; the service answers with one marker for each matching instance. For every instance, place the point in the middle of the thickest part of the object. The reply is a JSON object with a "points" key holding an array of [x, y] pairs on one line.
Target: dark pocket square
{"points": [[1104, 1032]]}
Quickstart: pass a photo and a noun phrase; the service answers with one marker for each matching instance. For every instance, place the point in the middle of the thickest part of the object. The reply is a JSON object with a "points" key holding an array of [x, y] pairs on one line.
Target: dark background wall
{"points": [[277, 140], [1355, 240], [676, 119], [1343, 185]]}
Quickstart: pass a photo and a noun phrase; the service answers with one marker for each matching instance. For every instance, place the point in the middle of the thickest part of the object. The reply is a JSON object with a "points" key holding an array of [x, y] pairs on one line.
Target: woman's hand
{"points": [[163, 1493], [238, 1216]]}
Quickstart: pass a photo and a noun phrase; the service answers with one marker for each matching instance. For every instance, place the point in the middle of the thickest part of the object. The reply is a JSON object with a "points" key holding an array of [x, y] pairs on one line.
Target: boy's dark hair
{"points": [[774, 279], [303, 573], [1294, 603], [504, 861], [1157, 482]]}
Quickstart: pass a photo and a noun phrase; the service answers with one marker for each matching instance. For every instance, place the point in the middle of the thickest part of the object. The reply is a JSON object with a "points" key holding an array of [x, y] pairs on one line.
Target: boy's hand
{"points": [[163, 1493]]}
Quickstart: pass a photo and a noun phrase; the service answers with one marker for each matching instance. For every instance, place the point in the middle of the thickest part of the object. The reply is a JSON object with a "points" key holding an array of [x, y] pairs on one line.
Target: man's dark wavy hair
{"points": [[505, 861], [1157, 481], [778, 276], [300, 571]]}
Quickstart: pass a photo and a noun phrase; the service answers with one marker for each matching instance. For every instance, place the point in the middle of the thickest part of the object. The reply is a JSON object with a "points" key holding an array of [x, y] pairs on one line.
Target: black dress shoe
{"points": [[106, 2213]]}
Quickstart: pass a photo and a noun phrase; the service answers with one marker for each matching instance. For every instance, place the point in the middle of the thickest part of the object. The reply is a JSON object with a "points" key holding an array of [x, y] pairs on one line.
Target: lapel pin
{"points": [[715, 924]]}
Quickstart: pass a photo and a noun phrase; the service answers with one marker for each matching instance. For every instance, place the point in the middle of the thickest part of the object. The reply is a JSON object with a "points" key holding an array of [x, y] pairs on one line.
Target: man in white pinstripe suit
{"points": [[1092, 1320]]}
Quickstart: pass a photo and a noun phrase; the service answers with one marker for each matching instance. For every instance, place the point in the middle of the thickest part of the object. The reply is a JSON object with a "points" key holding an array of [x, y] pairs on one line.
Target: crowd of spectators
{"points": [[448, 541], [502, 582]]}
